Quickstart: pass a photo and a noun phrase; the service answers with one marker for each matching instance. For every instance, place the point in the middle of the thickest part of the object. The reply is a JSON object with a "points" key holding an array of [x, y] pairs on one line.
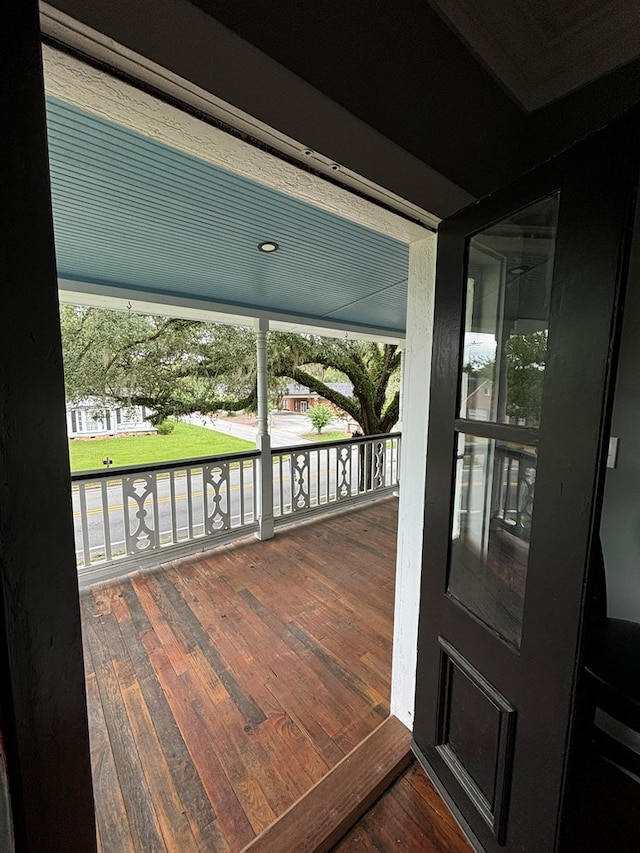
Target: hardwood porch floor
{"points": [[222, 686]]}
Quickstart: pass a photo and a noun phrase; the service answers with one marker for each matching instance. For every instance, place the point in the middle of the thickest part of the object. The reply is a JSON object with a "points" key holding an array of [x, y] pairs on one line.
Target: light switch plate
{"points": [[612, 456]]}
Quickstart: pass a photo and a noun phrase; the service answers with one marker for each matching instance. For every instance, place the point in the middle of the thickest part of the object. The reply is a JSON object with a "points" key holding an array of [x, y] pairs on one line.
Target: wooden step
{"points": [[319, 819]]}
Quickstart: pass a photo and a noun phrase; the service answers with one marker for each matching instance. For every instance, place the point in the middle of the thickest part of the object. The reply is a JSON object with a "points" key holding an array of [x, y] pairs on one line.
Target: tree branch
{"points": [[347, 404]]}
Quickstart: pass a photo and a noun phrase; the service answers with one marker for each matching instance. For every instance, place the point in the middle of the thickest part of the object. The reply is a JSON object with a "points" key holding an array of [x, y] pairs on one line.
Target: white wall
{"points": [[417, 374]]}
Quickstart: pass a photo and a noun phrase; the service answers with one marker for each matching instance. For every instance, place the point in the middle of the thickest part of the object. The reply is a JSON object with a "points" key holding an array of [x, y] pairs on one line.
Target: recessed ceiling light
{"points": [[523, 268], [268, 246]]}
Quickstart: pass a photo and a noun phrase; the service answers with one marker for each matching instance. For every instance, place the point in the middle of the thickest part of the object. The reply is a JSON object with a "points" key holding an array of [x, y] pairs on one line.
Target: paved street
{"points": [[181, 501], [184, 493], [183, 504], [285, 428]]}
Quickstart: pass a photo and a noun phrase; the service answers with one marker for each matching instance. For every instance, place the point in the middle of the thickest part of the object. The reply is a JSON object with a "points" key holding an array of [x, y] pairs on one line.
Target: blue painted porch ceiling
{"points": [[134, 213]]}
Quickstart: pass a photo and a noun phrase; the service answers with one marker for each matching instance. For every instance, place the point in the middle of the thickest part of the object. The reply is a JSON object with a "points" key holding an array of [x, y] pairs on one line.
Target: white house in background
{"points": [[92, 418]]}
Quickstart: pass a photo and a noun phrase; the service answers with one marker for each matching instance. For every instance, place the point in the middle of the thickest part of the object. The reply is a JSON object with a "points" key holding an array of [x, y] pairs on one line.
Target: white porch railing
{"points": [[311, 477], [132, 517], [128, 515]]}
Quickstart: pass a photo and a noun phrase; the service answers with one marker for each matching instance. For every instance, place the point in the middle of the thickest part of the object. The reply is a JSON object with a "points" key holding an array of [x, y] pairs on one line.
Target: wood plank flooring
{"points": [[221, 687], [409, 816]]}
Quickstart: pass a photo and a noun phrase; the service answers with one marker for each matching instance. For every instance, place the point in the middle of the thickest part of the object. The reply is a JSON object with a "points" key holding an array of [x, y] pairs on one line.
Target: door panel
{"points": [[491, 530], [527, 293], [506, 315]]}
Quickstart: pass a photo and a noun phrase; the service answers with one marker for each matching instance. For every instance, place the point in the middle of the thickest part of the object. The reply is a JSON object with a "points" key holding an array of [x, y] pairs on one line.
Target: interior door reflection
{"points": [[493, 509]]}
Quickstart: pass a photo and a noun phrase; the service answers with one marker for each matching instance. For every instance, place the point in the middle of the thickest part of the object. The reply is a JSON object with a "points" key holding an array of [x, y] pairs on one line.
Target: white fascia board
{"points": [[415, 418], [186, 308]]}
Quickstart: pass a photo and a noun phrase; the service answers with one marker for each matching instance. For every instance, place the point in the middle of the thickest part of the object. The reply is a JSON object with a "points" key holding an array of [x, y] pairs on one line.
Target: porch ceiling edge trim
{"points": [[106, 96], [187, 308]]}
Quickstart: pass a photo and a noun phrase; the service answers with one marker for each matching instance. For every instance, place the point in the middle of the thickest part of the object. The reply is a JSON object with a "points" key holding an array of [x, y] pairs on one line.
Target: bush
{"points": [[166, 427], [319, 415]]}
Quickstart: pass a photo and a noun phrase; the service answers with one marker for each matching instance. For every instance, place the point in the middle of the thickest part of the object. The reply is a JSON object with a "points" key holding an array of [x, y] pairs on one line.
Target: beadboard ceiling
{"points": [[134, 215]]}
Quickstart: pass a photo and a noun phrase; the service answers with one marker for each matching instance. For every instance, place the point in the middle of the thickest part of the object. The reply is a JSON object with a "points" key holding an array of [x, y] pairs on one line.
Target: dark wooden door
{"points": [[528, 290]]}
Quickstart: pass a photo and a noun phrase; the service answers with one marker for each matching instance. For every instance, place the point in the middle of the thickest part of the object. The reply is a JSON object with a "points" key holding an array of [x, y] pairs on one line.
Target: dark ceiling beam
{"points": [[178, 36], [395, 66], [582, 112], [398, 67]]}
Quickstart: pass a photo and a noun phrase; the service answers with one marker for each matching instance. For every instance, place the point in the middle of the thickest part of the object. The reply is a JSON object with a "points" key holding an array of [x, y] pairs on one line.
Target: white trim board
{"points": [[415, 416], [187, 308], [90, 89]]}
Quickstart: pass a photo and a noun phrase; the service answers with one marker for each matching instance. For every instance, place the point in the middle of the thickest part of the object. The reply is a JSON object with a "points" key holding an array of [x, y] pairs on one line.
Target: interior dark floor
{"points": [[410, 816]]}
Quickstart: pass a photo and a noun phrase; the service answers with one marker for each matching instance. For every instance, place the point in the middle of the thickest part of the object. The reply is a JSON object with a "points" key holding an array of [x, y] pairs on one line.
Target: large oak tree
{"points": [[176, 367]]}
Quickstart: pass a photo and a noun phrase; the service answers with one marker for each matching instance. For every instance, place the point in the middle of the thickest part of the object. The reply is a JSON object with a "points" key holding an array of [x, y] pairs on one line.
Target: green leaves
{"points": [[176, 367], [526, 356], [319, 415]]}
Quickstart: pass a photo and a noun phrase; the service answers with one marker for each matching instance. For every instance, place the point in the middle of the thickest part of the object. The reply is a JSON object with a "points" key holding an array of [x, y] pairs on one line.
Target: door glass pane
{"points": [[493, 505], [509, 274]]}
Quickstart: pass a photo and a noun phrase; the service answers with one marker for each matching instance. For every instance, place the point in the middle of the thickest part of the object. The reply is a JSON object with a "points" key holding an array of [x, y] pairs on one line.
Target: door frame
{"points": [[60, 583], [598, 179], [405, 666]]}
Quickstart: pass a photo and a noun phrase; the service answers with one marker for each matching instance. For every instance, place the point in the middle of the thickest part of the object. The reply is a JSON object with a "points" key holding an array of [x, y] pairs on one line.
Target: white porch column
{"points": [[264, 491], [414, 417], [402, 351], [399, 426]]}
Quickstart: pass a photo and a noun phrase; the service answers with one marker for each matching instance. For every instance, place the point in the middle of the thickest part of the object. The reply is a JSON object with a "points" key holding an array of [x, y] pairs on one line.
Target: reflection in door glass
{"points": [[509, 275], [493, 506]]}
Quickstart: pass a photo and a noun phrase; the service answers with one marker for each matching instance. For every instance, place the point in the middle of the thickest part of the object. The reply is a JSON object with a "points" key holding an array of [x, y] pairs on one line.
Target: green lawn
{"points": [[328, 435], [185, 442]]}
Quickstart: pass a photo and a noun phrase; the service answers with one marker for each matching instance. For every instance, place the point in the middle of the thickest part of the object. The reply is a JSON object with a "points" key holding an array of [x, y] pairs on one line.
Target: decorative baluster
{"points": [[215, 497], [528, 486], [379, 471], [300, 470], [343, 472], [138, 491]]}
